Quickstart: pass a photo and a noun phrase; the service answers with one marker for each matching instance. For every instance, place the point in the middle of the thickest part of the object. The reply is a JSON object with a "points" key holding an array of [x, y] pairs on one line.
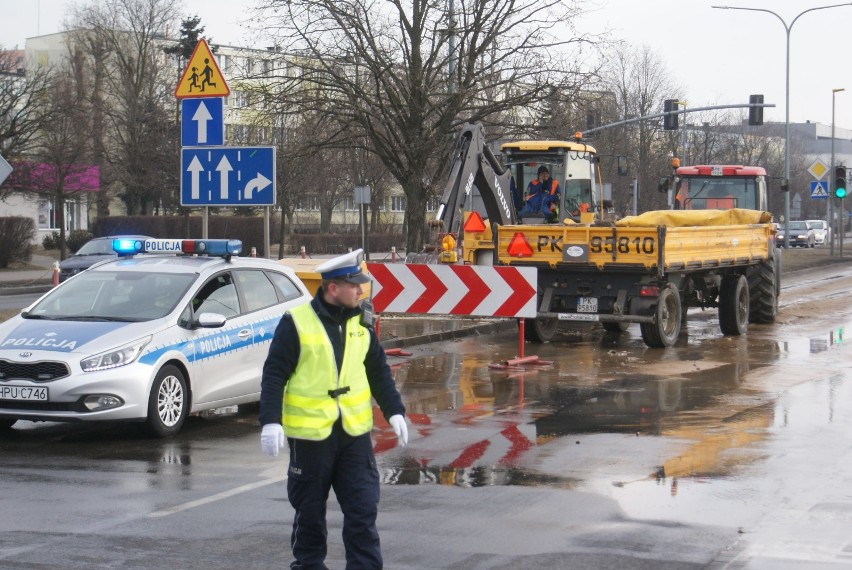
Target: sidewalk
{"points": [[18, 281]]}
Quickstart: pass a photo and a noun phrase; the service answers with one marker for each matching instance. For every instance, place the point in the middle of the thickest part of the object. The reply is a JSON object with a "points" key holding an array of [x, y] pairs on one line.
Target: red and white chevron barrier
{"points": [[488, 291]]}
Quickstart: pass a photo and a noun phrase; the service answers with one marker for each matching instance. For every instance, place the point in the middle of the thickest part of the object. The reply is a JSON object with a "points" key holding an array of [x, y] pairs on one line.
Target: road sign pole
{"points": [[204, 222], [266, 241]]}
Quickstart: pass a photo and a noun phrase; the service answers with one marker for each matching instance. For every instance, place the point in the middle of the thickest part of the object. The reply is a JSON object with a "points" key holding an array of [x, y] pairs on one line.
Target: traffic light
{"points": [[840, 182], [670, 120], [755, 114]]}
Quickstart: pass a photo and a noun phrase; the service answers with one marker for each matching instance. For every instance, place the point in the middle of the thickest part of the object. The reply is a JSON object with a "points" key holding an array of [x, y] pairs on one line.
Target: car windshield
{"points": [[95, 247], [114, 296], [798, 225], [818, 225]]}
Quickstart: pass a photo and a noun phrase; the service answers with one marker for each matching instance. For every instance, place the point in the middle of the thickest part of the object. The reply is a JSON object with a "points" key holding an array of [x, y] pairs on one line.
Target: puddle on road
{"points": [[576, 422]]}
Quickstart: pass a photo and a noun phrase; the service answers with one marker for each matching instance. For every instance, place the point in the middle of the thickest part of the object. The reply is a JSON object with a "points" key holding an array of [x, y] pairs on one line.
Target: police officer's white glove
{"points": [[272, 439], [397, 422]]}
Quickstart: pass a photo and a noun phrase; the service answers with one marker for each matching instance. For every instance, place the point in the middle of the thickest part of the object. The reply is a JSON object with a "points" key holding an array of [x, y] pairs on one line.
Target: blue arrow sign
{"points": [[227, 176], [202, 122], [819, 189]]}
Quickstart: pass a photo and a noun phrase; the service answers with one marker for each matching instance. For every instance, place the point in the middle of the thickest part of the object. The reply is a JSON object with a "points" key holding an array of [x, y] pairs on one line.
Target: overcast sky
{"points": [[719, 56]]}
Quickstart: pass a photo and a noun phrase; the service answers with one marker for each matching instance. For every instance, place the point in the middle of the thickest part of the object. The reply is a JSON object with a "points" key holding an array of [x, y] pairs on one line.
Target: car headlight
{"points": [[116, 357]]}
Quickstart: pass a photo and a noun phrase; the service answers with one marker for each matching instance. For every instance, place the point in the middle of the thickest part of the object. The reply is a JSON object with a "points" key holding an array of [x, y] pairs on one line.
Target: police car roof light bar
{"points": [[127, 246], [215, 247]]}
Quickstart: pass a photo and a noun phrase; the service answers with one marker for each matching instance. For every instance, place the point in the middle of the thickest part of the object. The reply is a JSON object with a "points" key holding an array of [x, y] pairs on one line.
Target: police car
{"points": [[169, 328]]}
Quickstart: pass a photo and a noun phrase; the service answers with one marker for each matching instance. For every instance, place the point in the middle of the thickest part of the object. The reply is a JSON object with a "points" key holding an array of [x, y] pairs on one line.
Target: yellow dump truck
{"points": [[648, 269]]}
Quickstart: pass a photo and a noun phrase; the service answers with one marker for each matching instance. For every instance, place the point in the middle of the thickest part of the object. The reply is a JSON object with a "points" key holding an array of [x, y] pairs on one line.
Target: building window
{"points": [[47, 219], [307, 204], [397, 203]]}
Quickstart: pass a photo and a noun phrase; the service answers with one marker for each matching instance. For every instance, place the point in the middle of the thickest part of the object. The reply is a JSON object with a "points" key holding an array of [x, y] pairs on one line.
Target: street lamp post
{"points": [[831, 173], [786, 104]]}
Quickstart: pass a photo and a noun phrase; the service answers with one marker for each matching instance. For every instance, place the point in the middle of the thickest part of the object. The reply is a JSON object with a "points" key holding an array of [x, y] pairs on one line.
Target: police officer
{"points": [[323, 367]]}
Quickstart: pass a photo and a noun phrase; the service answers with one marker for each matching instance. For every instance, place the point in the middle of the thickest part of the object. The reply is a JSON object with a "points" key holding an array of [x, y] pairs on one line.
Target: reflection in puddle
{"points": [[473, 426]]}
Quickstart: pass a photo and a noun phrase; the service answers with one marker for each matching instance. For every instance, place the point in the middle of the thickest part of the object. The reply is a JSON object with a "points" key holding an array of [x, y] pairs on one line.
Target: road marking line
{"points": [[216, 497]]}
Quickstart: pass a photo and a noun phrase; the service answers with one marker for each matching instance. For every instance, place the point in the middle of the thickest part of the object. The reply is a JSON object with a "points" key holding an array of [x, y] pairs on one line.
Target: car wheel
{"points": [[168, 403]]}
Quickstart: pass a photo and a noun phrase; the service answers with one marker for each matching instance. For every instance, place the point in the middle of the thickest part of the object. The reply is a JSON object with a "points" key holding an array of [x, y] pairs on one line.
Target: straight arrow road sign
{"points": [[202, 122], [227, 176]]}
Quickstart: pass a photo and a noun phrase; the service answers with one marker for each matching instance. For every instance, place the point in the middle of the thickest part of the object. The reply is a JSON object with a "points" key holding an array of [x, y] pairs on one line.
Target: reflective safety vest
{"points": [[309, 411]]}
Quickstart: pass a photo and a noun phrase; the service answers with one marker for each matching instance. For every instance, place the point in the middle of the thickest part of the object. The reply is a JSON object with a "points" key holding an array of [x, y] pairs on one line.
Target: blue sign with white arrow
{"points": [[227, 176], [202, 122]]}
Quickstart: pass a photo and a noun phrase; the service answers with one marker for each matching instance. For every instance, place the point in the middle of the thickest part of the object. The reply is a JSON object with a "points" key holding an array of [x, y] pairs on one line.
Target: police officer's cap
{"points": [[543, 168], [345, 267]]}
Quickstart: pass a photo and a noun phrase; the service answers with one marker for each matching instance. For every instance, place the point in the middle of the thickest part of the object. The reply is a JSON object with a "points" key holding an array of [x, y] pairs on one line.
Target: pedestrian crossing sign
{"points": [[819, 189], [202, 77]]}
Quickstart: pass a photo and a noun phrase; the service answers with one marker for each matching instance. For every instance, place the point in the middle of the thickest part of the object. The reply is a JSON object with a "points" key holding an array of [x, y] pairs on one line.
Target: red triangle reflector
{"points": [[474, 223], [519, 246]]}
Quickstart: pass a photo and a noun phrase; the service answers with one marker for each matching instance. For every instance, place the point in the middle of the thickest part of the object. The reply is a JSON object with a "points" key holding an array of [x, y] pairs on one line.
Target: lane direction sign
{"points": [[227, 176], [202, 122]]}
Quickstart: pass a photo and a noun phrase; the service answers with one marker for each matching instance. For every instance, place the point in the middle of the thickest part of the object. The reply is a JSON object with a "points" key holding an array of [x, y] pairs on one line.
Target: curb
{"points": [[480, 329], [24, 289]]}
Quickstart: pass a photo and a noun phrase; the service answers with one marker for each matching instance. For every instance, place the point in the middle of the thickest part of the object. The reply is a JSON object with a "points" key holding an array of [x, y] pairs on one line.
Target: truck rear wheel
{"points": [[665, 329], [763, 291], [734, 305], [540, 329]]}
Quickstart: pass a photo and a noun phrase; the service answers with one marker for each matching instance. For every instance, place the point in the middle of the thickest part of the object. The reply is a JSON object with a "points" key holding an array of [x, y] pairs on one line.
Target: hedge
{"points": [[16, 236]]}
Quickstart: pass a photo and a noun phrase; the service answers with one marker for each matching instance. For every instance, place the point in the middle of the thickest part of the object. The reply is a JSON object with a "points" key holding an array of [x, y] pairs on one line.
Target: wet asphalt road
{"points": [[718, 453]]}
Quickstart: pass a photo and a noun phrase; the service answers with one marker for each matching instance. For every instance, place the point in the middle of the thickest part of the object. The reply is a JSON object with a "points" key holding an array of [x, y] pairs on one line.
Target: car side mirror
{"points": [[665, 184], [210, 321]]}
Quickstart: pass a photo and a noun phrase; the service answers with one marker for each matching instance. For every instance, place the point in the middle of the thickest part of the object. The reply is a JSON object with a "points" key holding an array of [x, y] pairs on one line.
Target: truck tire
{"points": [[763, 291], [665, 329], [734, 305], [540, 329]]}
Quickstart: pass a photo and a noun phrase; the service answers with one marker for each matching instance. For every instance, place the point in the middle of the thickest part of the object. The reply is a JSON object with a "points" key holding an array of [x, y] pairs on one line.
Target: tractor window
{"points": [[716, 193]]}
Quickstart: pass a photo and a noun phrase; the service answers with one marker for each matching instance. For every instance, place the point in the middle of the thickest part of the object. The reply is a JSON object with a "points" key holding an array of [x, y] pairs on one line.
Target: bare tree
{"points": [[57, 161], [401, 74], [124, 39], [640, 82], [23, 92]]}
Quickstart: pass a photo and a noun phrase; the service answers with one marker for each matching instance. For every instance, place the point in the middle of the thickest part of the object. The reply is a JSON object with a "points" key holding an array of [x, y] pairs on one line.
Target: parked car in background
{"points": [[801, 234], [93, 251], [822, 233]]}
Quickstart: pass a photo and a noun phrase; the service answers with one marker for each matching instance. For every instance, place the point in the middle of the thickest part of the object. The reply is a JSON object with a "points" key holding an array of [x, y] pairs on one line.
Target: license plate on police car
{"points": [[38, 394], [587, 304]]}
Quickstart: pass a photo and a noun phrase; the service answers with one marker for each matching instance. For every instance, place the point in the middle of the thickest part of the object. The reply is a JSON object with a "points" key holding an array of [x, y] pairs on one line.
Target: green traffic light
{"points": [[840, 193]]}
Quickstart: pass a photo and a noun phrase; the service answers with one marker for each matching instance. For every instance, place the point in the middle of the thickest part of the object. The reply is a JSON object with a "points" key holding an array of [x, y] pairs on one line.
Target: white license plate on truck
{"points": [[587, 304], [585, 317], [28, 393]]}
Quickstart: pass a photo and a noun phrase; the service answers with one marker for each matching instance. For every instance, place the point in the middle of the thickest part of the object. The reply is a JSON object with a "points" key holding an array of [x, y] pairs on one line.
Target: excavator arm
{"points": [[476, 173]]}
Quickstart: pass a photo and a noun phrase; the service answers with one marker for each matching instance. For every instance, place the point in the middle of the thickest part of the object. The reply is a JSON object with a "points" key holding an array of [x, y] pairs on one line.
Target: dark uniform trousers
{"points": [[347, 465]]}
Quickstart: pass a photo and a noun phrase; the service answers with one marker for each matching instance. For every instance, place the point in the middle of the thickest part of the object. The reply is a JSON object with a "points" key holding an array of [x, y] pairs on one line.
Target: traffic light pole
{"points": [[676, 112]]}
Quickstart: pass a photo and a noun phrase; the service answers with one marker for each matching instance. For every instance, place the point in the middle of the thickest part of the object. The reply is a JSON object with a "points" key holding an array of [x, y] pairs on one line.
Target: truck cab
{"points": [[571, 164], [717, 187]]}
